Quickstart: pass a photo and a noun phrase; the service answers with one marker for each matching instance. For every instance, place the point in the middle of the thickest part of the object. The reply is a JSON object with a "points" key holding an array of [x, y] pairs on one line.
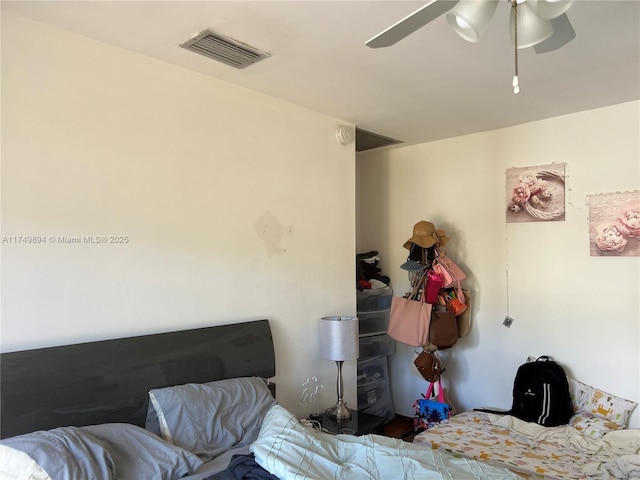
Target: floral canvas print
{"points": [[614, 224], [535, 194]]}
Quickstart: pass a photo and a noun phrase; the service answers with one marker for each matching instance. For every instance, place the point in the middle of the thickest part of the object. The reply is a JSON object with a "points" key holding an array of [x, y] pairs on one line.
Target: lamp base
{"points": [[339, 411]]}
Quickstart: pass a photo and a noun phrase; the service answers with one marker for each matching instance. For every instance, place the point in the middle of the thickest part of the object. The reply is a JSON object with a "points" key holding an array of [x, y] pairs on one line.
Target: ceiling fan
{"points": [[541, 24]]}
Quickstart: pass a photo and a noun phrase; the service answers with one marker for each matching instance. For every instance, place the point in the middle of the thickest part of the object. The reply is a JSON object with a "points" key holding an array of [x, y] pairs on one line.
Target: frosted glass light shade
{"points": [[531, 28], [470, 18], [339, 338], [549, 9]]}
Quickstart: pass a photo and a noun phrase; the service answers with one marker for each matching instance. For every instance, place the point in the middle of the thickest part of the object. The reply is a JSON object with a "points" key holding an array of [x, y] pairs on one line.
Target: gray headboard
{"points": [[108, 381]]}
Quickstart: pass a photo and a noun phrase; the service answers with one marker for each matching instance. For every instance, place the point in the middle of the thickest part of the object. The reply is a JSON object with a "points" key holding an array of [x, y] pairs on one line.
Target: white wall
{"points": [[582, 310], [222, 193]]}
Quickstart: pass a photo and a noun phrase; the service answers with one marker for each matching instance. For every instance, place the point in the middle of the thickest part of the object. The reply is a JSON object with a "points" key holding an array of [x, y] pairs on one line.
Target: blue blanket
{"points": [[243, 467]]}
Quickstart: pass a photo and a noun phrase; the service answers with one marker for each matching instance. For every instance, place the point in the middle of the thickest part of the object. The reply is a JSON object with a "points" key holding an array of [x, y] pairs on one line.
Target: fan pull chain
{"points": [[515, 83]]}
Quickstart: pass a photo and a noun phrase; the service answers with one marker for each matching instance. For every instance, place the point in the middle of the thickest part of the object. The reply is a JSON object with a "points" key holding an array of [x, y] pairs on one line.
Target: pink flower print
{"points": [[628, 220], [528, 178], [521, 193], [610, 238], [538, 187]]}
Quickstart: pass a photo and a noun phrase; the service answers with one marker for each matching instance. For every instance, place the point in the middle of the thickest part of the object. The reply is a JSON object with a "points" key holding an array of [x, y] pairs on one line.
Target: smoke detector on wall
{"points": [[344, 135]]}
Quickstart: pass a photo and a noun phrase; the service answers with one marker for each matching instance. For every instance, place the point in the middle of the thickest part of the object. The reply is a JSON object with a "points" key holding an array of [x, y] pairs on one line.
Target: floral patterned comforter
{"points": [[529, 450]]}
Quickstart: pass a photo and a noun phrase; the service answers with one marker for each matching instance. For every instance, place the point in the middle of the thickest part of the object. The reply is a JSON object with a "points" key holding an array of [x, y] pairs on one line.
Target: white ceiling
{"points": [[429, 86]]}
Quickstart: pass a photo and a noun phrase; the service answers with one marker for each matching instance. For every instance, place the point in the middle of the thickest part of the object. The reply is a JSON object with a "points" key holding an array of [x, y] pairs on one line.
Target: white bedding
{"points": [[534, 451], [616, 455], [293, 452]]}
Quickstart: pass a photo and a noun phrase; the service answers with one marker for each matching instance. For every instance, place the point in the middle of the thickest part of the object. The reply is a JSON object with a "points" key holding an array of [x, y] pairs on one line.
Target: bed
{"points": [[594, 445], [193, 404], [106, 385]]}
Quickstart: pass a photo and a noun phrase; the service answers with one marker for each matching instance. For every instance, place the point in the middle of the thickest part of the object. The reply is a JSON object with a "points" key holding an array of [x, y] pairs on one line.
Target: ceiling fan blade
{"points": [[411, 23], [563, 33]]}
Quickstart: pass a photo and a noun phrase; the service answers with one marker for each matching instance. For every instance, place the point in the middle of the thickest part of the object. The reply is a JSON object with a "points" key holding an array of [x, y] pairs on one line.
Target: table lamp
{"points": [[339, 342]]}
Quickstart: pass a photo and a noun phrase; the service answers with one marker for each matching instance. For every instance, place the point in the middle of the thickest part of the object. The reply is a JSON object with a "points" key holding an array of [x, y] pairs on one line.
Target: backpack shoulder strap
{"points": [[488, 410]]}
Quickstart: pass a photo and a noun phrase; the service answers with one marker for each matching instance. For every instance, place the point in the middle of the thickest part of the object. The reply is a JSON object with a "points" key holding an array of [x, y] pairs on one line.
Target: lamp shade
{"points": [[531, 28], [470, 18], [339, 338], [550, 9]]}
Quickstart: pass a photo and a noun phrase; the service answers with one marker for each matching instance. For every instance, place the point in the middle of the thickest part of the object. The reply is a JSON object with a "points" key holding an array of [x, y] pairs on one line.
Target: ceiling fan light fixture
{"points": [[563, 33], [532, 29], [470, 18], [550, 9], [462, 23]]}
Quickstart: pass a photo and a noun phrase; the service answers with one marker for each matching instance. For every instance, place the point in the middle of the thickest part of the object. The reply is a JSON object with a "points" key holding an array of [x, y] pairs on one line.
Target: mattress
{"points": [[533, 451]]}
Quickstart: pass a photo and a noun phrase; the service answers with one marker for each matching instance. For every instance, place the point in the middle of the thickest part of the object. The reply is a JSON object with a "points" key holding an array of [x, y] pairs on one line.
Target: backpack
{"points": [[540, 394]]}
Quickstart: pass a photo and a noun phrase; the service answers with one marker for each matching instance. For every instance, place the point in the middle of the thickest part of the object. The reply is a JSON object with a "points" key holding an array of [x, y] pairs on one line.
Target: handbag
{"points": [[455, 301], [430, 412], [429, 365], [434, 284], [451, 273], [410, 318], [464, 320], [443, 330], [455, 306]]}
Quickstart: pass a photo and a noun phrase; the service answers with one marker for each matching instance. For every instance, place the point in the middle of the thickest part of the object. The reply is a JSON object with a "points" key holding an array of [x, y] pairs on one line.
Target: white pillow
{"points": [[210, 418], [599, 403], [592, 425], [15, 464], [578, 392]]}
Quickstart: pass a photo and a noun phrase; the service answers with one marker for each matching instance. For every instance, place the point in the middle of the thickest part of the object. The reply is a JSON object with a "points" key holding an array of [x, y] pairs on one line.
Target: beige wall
{"points": [[237, 206], [582, 310]]}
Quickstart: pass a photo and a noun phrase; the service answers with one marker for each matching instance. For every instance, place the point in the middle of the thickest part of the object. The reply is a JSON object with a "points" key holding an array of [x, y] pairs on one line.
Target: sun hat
{"points": [[441, 237], [422, 235]]}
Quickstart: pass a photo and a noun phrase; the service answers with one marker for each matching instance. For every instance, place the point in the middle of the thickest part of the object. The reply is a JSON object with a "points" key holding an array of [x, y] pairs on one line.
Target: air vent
{"points": [[224, 49], [368, 140]]}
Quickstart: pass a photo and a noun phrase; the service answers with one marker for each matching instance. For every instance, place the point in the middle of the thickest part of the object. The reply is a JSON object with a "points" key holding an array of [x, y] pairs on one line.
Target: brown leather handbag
{"points": [[429, 366], [443, 329]]}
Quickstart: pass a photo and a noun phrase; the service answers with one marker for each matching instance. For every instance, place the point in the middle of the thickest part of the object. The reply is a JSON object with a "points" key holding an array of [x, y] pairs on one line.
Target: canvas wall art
{"points": [[614, 224], [536, 194]]}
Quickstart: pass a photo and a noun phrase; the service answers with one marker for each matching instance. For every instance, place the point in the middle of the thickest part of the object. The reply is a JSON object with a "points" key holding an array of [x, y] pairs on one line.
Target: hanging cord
{"points": [[506, 251], [516, 86]]}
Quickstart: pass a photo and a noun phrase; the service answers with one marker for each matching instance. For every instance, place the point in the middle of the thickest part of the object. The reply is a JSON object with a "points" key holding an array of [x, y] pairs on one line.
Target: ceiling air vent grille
{"points": [[224, 49]]}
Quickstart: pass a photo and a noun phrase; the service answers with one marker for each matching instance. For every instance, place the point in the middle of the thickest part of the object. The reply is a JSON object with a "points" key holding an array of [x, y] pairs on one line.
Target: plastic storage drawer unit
{"points": [[374, 299], [375, 399], [376, 346], [372, 370], [373, 322]]}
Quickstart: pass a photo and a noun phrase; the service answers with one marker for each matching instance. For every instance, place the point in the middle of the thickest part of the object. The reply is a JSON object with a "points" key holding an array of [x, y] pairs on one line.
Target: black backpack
{"points": [[540, 394]]}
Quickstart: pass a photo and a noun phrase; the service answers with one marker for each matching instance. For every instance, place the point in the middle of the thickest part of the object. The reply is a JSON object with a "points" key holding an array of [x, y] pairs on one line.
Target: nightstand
{"points": [[360, 423]]}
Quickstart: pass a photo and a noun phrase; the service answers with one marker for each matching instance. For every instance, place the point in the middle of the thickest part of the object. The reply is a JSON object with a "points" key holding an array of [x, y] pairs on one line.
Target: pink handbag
{"points": [[434, 284], [410, 318], [451, 273]]}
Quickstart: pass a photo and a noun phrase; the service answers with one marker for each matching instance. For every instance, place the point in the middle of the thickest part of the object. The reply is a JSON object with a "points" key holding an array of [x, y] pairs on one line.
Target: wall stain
{"points": [[272, 233]]}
